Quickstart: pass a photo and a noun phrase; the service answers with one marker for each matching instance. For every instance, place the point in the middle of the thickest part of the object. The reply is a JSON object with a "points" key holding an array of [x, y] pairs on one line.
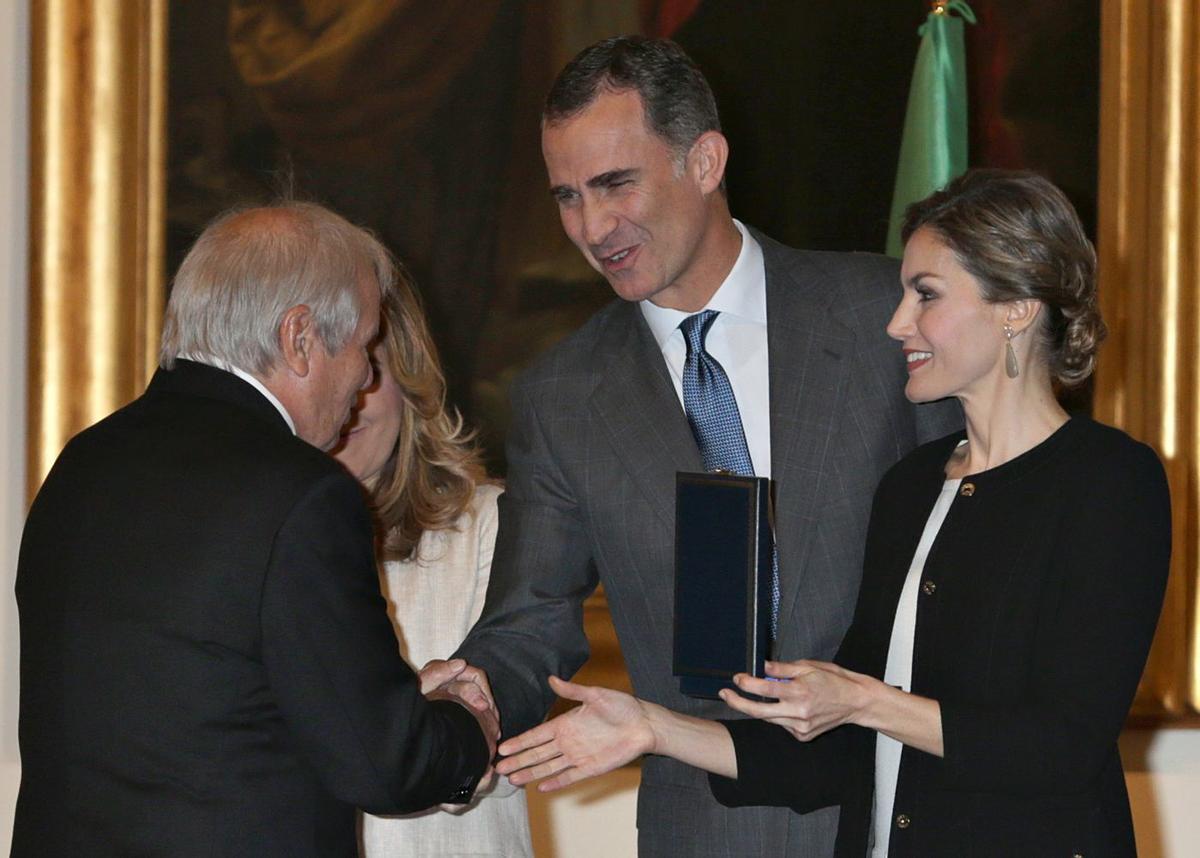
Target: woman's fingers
{"points": [[793, 669], [530, 756], [535, 736], [607, 730], [812, 698], [569, 690], [784, 691], [746, 706], [568, 777], [542, 770], [546, 732]]}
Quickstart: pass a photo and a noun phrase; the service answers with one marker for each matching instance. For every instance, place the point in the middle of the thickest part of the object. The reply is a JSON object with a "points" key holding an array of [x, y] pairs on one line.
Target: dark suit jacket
{"points": [[597, 436], [1039, 599], [207, 666]]}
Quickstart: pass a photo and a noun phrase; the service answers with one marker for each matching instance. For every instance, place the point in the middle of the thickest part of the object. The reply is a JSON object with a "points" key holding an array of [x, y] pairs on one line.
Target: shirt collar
{"points": [[743, 293], [217, 362]]}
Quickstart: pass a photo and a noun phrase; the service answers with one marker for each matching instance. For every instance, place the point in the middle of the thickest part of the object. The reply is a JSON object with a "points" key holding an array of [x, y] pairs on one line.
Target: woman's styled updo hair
{"points": [[1020, 237]]}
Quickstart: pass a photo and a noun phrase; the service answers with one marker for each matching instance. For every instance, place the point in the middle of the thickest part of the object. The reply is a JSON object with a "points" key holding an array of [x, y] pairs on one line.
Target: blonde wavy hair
{"points": [[433, 470]]}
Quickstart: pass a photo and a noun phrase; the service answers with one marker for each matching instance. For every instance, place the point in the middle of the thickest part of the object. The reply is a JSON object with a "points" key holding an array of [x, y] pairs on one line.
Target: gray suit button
{"points": [[929, 588], [902, 820]]}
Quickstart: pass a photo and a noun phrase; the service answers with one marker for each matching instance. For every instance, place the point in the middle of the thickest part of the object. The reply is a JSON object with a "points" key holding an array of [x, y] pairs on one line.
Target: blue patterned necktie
{"points": [[716, 422]]}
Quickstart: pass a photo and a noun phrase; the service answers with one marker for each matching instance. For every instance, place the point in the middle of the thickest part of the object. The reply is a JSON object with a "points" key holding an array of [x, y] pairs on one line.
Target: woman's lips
{"points": [[915, 359]]}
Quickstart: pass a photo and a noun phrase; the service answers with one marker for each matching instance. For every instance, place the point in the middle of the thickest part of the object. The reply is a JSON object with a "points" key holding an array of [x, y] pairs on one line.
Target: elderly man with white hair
{"points": [[207, 666]]}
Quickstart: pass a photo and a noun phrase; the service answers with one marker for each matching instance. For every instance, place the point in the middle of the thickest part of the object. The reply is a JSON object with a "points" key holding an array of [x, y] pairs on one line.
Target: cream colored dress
{"points": [[434, 600]]}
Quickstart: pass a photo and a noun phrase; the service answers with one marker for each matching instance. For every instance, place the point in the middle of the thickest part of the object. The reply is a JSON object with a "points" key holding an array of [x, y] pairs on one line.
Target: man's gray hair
{"points": [[678, 103], [250, 266]]}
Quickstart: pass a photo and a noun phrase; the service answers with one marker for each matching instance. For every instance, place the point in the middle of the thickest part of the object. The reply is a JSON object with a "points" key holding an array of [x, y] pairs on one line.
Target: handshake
{"points": [[468, 686], [609, 729]]}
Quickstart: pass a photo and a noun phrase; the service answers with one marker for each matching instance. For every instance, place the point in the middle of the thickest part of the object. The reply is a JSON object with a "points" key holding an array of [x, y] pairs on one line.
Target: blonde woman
{"points": [[436, 515]]}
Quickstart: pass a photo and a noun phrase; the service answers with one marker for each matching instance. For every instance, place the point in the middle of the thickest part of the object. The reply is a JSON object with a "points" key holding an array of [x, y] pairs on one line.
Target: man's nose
{"points": [[598, 223]]}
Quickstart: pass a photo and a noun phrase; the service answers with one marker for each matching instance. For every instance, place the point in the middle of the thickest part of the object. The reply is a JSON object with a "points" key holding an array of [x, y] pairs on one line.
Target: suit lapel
{"points": [[636, 403], [810, 353]]}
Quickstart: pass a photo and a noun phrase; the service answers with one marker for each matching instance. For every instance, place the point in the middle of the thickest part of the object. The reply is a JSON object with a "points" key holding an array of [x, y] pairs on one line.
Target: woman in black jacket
{"points": [[1012, 580]]}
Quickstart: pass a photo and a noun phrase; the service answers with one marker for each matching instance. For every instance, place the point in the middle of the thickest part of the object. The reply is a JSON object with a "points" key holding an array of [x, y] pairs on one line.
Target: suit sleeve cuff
{"points": [[476, 755], [755, 781], [776, 770]]}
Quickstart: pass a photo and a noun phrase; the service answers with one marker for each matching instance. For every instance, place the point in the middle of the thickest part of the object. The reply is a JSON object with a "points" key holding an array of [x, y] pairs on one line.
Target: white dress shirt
{"points": [[217, 363], [737, 340]]}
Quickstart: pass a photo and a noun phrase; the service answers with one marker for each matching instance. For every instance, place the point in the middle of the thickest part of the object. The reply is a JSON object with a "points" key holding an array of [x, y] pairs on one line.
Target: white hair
{"points": [[250, 266]]}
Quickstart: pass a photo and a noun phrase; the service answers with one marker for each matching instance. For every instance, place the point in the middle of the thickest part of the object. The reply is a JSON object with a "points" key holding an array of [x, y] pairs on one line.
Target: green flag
{"points": [[934, 147]]}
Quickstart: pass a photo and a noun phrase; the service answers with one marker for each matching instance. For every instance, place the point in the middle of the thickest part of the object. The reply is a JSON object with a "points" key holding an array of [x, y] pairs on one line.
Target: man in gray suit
{"points": [[636, 161]]}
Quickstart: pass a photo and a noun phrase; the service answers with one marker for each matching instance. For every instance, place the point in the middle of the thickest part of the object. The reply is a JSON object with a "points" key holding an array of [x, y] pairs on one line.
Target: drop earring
{"points": [[1011, 368]]}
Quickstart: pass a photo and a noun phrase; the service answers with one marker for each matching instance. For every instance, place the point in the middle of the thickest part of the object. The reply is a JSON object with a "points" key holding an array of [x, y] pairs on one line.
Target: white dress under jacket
{"points": [[434, 600]]}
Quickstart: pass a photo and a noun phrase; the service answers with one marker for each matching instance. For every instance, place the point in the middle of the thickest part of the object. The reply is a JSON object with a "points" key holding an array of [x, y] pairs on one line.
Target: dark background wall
{"points": [[420, 120]]}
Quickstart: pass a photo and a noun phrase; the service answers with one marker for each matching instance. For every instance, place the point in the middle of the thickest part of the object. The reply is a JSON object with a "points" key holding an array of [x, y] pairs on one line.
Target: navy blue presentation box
{"points": [[723, 550]]}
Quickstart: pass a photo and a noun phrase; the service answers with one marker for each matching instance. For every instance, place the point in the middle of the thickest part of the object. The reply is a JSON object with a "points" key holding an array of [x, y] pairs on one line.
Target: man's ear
{"points": [[708, 157], [1022, 313], [297, 336]]}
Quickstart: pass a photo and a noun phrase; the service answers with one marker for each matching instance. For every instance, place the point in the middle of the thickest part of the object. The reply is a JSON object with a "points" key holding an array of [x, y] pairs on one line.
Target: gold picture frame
{"points": [[1149, 253], [97, 156], [97, 202]]}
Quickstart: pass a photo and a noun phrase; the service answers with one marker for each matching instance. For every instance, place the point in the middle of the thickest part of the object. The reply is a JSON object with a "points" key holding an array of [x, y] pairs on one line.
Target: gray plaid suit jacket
{"points": [[597, 436]]}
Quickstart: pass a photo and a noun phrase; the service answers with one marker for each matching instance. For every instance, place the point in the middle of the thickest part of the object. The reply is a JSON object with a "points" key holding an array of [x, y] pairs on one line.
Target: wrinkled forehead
{"points": [[610, 112], [605, 138]]}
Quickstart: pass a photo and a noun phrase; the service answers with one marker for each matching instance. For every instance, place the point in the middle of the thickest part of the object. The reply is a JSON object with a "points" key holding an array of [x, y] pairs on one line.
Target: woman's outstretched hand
{"points": [[609, 728]]}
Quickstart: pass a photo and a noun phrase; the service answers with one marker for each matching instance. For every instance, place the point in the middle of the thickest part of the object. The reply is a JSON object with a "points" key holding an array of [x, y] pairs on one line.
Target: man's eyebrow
{"points": [[603, 180], [612, 177]]}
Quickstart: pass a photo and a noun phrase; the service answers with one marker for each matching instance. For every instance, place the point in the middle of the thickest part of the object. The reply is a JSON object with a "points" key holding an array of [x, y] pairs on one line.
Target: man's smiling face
{"points": [[632, 208]]}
